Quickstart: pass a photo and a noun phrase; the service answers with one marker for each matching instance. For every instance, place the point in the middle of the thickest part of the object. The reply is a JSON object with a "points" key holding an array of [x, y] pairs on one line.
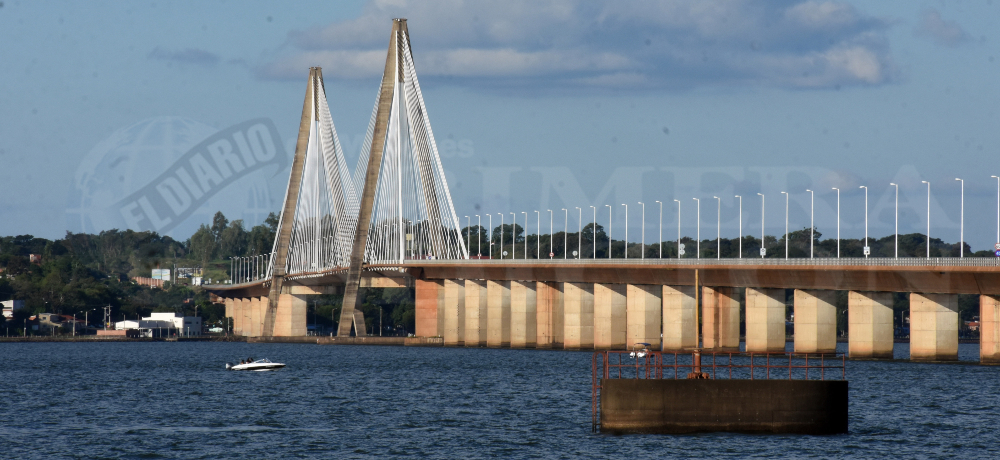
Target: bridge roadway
{"points": [[613, 303]]}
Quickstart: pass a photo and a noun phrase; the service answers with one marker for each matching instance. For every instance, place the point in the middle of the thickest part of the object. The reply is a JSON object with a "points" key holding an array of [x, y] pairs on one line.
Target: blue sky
{"points": [[535, 105]]}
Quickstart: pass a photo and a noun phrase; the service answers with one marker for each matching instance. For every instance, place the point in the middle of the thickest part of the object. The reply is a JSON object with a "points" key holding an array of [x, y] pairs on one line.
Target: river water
{"points": [[175, 400]]}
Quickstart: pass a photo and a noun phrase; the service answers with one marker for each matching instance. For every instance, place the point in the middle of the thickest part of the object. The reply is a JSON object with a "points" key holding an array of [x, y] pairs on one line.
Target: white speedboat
{"points": [[257, 365]]}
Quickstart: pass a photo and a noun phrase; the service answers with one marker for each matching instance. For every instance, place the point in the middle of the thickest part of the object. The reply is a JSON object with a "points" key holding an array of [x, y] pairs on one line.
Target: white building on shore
{"points": [[163, 325]]}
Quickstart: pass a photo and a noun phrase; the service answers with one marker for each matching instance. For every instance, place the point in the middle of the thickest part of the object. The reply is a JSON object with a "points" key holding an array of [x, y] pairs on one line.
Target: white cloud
{"points": [[605, 44], [946, 33]]}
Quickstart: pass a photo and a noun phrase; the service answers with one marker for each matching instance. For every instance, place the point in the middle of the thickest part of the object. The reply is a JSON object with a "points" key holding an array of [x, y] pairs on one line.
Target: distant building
{"points": [[163, 325], [35, 259], [10, 305], [143, 281]]}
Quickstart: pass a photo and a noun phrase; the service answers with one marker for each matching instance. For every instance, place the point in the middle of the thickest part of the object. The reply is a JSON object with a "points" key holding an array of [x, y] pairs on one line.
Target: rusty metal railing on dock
{"points": [[701, 364]]}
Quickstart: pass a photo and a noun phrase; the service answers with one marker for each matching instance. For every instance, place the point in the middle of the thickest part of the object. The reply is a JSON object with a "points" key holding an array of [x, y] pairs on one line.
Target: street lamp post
{"points": [[763, 250], [812, 225], [550, 234], [866, 250], [501, 234], [660, 239], [626, 230], [998, 208], [609, 229], [489, 236], [897, 221], [718, 230], [678, 228], [579, 233], [698, 230], [479, 236], [513, 235], [594, 229], [838, 221], [786, 224], [741, 225], [928, 217], [538, 236], [642, 244], [565, 230], [468, 233], [961, 222], [525, 234]]}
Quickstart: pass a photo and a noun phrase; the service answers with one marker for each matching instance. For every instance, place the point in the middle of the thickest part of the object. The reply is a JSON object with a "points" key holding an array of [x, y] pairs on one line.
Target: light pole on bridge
{"points": [[678, 228], [928, 218], [718, 229], [525, 234], [961, 222], [579, 233], [550, 233], [763, 250], [998, 207], [595, 226], [479, 236], [538, 236], [501, 234], [489, 236], [565, 230], [838, 221], [741, 225], [786, 224], [642, 244], [626, 230], [513, 235], [896, 233], [468, 234], [812, 225], [609, 229], [660, 239], [867, 250], [698, 230]]}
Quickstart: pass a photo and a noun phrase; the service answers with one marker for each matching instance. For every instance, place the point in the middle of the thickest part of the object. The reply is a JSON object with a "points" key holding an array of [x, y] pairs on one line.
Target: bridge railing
{"points": [[843, 261]]}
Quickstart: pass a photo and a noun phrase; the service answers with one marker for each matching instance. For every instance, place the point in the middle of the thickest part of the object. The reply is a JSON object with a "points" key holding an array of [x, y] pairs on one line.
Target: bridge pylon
{"points": [[405, 208], [320, 208]]}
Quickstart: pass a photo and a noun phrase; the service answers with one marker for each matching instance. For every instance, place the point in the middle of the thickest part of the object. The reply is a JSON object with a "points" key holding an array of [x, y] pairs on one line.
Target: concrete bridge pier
{"points": [[429, 296], [933, 327], [644, 307], [498, 314], [815, 321], [578, 306], [256, 317], [989, 329], [679, 328], [523, 314], [549, 319], [454, 312], [290, 318], [610, 322], [720, 318], [475, 313], [869, 325], [765, 319]]}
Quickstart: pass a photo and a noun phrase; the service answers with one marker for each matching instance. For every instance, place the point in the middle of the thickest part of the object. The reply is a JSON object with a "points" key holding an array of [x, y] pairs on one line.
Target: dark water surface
{"points": [[175, 400]]}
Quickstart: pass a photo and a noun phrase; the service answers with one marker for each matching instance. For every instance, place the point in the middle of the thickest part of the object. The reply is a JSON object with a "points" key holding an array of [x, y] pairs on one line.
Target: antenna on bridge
{"points": [[320, 211], [405, 207]]}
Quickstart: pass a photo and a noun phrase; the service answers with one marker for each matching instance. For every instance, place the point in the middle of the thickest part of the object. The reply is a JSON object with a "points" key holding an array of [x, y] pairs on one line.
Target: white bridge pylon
{"points": [[396, 206], [326, 212], [413, 215]]}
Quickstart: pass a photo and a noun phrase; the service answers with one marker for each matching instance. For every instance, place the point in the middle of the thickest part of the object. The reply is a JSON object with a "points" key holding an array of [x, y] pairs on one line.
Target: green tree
{"points": [[202, 244]]}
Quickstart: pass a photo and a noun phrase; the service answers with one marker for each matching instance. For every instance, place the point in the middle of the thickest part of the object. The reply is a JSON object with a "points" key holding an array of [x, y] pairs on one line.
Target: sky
{"points": [[536, 105]]}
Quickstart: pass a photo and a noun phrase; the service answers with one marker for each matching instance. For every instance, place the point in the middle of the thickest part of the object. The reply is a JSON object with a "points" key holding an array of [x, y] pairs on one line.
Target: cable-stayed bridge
{"points": [[391, 223]]}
